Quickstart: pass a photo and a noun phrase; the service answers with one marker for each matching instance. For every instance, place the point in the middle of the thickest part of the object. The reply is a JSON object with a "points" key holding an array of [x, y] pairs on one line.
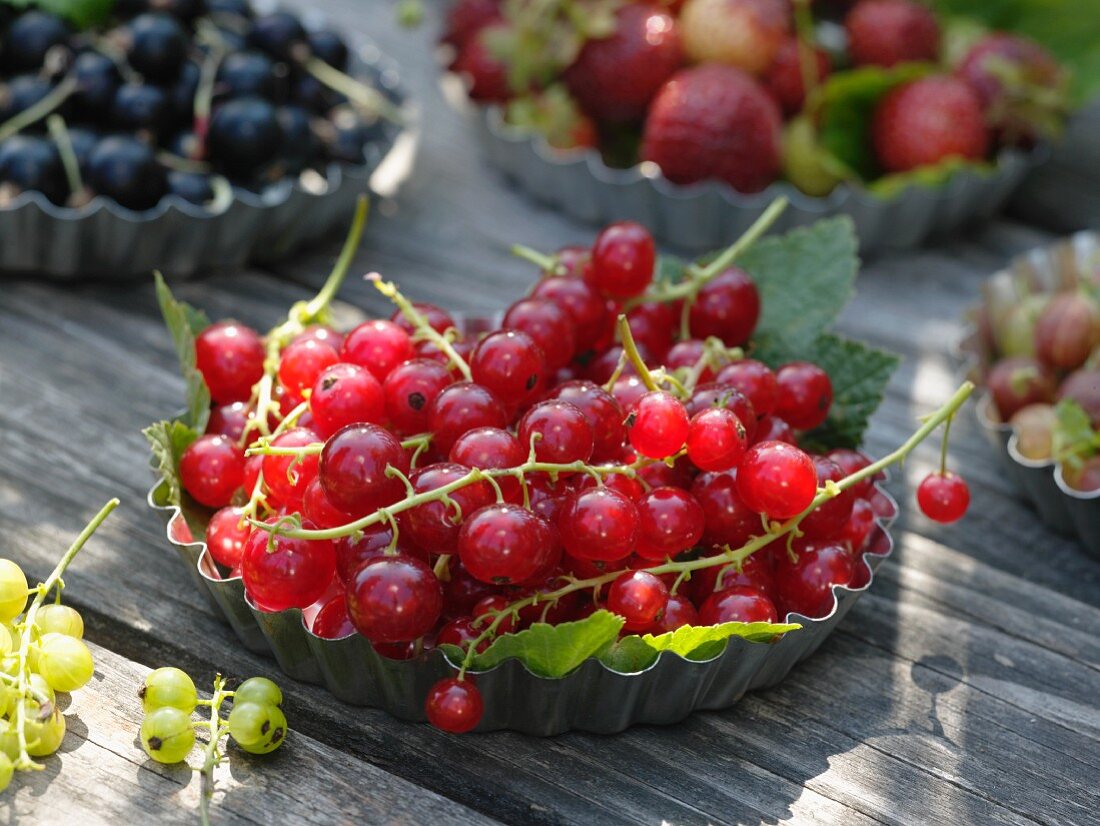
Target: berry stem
{"points": [[212, 753], [364, 96], [546, 263], [417, 319], [807, 60], [630, 348], [32, 114], [60, 134], [24, 760]]}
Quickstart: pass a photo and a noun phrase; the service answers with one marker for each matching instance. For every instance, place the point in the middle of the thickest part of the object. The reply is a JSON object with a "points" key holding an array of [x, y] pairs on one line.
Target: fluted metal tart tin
{"points": [[592, 698], [1046, 269], [704, 216], [105, 240]]}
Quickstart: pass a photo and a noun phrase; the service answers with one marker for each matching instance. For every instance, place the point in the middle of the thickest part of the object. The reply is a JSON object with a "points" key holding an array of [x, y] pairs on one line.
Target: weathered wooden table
{"points": [[962, 689]]}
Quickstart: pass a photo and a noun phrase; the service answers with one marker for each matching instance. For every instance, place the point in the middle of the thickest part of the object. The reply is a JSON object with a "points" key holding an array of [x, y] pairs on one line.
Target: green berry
{"points": [[258, 690], [169, 687], [7, 769], [258, 728], [59, 619], [64, 662], [13, 590], [167, 734], [44, 728]]}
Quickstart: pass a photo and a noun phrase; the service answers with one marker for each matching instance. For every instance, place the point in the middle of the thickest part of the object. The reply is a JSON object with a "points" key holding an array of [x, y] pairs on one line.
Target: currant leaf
{"points": [[82, 13], [168, 440], [552, 650], [1074, 438], [635, 653], [184, 322]]}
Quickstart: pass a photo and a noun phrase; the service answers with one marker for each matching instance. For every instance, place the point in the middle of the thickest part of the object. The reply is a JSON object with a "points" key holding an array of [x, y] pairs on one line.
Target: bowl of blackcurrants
{"points": [[183, 135]]}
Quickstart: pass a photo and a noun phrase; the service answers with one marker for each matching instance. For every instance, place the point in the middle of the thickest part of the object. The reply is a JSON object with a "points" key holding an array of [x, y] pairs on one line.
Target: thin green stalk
{"points": [[32, 114]]}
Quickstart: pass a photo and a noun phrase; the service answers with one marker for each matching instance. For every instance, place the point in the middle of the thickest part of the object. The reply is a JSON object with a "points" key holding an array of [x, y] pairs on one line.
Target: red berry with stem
{"points": [[438, 319], [490, 607], [657, 425], [460, 408], [628, 486], [755, 572], [454, 706], [434, 525], [669, 522], [739, 603], [678, 612], [598, 524], [229, 420], [777, 479], [716, 440], [623, 257], [584, 306], [850, 462], [321, 333], [352, 552], [805, 586], [378, 346], [211, 470], [943, 497], [353, 468], [603, 412], [857, 530], [317, 508], [755, 380], [805, 395], [773, 429], [461, 632], [639, 598], [627, 392], [653, 326], [830, 517], [559, 431], [230, 357], [281, 572], [548, 325], [287, 476], [686, 355], [345, 394], [409, 391], [510, 365], [727, 307], [394, 599], [226, 533], [332, 621], [718, 395], [727, 520], [491, 448], [505, 544], [302, 362]]}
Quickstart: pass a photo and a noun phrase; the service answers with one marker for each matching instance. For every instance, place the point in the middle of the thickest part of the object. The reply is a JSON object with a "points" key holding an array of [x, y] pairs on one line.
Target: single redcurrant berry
{"points": [[727, 307], [454, 706], [657, 425], [409, 391], [434, 525], [394, 599], [461, 632], [230, 357], [345, 394], [598, 524], [211, 470], [505, 544], [774, 429], [777, 479], [459, 409], [756, 380], [287, 476], [354, 469], [302, 362], [559, 431], [678, 612], [717, 395], [491, 448], [378, 346], [716, 440], [510, 365], [639, 598], [602, 411], [943, 497], [229, 420], [374, 541], [755, 571], [805, 395], [332, 621], [585, 307], [830, 517], [727, 519], [226, 533], [805, 585], [548, 325], [623, 256], [852, 461], [317, 508], [738, 603], [669, 522], [281, 572]]}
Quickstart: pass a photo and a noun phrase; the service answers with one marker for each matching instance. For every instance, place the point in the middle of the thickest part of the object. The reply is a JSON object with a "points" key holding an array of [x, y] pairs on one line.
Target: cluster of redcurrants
{"points": [[417, 484], [169, 698], [172, 94], [40, 655]]}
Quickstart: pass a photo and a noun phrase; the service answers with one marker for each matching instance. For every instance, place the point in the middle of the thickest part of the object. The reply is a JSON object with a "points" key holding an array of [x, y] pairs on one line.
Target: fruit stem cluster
{"points": [[212, 754]]}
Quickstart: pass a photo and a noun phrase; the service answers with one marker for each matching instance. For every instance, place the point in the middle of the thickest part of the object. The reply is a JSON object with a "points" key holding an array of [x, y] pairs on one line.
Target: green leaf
{"points": [[634, 653], [805, 279], [553, 650], [1074, 440], [168, 440], [81, 13], [848, 101], [184, 322]]}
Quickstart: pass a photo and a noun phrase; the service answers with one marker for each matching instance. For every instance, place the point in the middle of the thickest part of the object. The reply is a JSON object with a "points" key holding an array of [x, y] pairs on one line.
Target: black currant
{"points": [[21, 93], [347, 139], [29, 38], [280, 34], [97, 79], [30, 163], [181, 95], [243, 74], [126, 170], [140, 106], [82, 140], [315, 96], [157, 46], [244, 136], [191, 186], [300, 144], [330, 47]]}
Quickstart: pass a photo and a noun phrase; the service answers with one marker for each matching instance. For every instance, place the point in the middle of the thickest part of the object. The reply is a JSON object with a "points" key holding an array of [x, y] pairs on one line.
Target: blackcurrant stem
{"points": [[60, 134], [24, 761], [204, 92], [547, 263], [631, 351], [32, 114], [370, 99], [417, 319]]}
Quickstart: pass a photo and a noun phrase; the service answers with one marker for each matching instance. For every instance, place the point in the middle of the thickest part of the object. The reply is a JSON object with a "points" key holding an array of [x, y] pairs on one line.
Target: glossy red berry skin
{"points": [[505, 544], [806, 585], [351, 553], [302, 362], [229, 420], [409, 391], [777, 479], [394, 599], [623, 257], [226, 535], [657, 425], [211, 470], [857, 530], [323, 334], [738, 603], [492, 448], [490, 607], [943, 497], [598, 524], [460, 408], [669, 522], [639, 598], [560, 430], [345, 394], [287, 476], [332, 621], [378, 346], [715, 394], [852, 461], [755, 380], [230, 357], [317, 508], [353, 467], [829, 518], [653, 326], [460, 632], [548, 325], [603, 412], [293, 573], [679, 611], [716, 440], [686, 354], [774, 429], [510, 365], [805, 395], [727, 519], [583, 304], [727, 307], [756, 572], [434, 525], [454, 706]]}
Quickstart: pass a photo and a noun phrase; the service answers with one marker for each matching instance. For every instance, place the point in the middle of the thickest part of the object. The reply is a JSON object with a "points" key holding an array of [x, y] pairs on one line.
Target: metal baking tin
{"points": [[591, 698], [1060, 266], [104, 240], [706, 215]]}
